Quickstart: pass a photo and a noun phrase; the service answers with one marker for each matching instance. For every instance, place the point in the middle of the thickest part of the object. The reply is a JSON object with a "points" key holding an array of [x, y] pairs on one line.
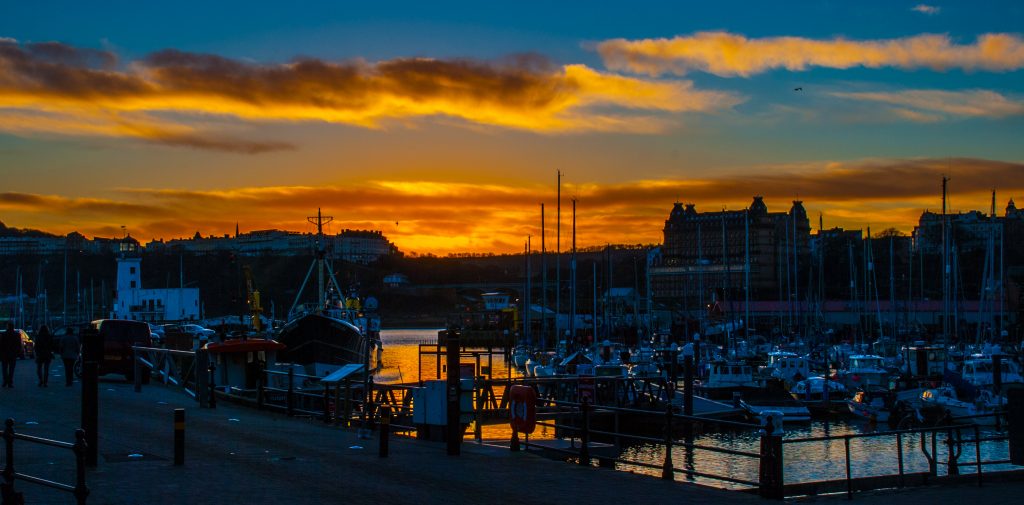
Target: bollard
{"points": [[770, 473], [90, 410], [385, 430], [514, 444], [290, 402], [179, 437], [667, 470], [81, 490], [585, 434]]}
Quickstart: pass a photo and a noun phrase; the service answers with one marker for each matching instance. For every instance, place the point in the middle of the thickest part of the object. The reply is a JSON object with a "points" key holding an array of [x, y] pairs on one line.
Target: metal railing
{"points": [[954, 442], [581, 430], [11, 496]]}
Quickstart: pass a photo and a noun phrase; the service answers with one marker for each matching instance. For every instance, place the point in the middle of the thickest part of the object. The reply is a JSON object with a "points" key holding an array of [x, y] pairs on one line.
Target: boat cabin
{"points": [[921, 360]]}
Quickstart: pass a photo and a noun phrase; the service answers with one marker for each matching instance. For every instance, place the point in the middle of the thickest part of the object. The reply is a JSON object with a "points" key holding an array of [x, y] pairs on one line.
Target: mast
{"points": [[558, 257], [572, 278], [746, 273], [892, 288], [593, 318], [543, 282], [945, 272], [320, 220], [526, 301]]}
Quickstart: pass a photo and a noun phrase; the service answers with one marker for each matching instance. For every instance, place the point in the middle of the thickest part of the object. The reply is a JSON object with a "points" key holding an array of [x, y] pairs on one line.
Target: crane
{"points": [[252, 299]]}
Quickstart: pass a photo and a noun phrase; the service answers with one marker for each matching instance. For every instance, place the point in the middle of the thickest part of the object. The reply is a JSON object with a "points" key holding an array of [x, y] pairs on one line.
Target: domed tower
{"points": [[758, 208]]}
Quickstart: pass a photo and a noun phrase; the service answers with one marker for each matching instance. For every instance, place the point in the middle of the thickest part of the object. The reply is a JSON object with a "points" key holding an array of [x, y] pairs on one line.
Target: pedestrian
{"points": [[10, 348], [69, 349], [44, 355]]}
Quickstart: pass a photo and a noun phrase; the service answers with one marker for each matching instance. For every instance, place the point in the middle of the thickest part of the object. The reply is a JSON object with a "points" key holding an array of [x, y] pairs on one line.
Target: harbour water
{"points": [[804, 462]]}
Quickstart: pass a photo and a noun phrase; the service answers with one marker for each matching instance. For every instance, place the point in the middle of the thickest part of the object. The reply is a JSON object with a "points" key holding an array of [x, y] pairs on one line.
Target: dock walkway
{"points": [[239, 455]]}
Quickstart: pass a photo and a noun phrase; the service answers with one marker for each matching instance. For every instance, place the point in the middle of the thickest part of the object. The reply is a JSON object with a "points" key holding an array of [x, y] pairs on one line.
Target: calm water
{"points": [[804, 462]]}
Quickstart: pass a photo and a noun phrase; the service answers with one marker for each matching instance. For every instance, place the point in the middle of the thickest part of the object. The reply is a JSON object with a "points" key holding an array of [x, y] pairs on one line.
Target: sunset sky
{"points": [[443, 123]]}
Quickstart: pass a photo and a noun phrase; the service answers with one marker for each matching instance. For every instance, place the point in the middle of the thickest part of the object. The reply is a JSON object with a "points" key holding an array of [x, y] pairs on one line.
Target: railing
{"points": [[170, 367], [581, 430], [10, 496], [954, 442]]}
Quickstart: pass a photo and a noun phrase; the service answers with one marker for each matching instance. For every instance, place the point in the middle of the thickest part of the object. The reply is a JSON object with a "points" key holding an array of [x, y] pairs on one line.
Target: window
{"points": [[131, 270], [133, 284]]}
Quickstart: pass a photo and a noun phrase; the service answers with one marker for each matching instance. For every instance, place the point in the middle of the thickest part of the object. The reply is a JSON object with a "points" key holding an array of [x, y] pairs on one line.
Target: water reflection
{"points": [[804, 462]]}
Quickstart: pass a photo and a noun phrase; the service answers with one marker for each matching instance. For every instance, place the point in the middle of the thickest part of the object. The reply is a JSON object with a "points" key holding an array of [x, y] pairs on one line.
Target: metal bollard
{"points": [[385, 430], [585, 435], [179, 437], [770, 475], [81, 490]]}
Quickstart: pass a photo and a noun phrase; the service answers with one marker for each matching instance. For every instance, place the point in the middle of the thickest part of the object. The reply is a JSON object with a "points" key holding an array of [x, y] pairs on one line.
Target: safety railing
{"points": [[929, 442], [575, 419], [169, 366], [11, 496]]}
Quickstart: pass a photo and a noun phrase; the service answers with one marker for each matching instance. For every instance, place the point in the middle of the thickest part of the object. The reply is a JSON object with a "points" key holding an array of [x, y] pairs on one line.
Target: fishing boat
{"points": [[872, 403], [775, 397], [864, 370], [820, 395], [334, 331], [943, 402], [724, 378]]}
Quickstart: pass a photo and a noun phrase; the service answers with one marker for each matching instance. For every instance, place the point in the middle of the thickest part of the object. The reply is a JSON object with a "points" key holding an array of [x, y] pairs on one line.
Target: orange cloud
{"points": [[432, 216], [727, 54], [932, 105], [46, 86]]}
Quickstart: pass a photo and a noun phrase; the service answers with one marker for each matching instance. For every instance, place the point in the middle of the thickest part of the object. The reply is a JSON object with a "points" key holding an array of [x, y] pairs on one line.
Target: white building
{"points": [[151, 305]]}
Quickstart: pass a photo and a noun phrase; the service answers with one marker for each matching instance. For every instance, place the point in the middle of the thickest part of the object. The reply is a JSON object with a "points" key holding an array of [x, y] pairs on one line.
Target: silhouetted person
{"points": [[69, 348], [44, 354], [10, 348]]}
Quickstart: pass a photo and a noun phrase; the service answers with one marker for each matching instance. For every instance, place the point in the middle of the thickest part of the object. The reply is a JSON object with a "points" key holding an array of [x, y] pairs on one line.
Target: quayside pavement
{"points": [[239, 455], [235, 454]]}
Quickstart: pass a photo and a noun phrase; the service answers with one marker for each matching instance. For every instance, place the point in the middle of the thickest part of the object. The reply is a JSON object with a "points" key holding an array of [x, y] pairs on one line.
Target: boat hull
{"points": [[316, 338]]}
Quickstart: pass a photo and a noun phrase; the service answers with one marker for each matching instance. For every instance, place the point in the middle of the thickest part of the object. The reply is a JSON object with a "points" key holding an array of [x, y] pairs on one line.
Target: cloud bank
{"points": [[60, 89], [925, 105], [730, 55]]}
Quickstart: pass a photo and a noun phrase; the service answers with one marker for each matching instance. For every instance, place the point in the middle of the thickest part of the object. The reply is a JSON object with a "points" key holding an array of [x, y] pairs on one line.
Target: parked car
{"points": [[27, 345], [197, 331]]}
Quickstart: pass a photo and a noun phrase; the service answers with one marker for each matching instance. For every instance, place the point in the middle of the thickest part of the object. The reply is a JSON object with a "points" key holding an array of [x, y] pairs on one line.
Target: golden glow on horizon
{"points": [[442, 218]]}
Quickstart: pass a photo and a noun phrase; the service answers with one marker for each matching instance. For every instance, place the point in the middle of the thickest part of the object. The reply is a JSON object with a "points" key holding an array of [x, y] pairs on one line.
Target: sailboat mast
{"points": [[945, 271], [526, 300], [746, 273], [543, 282], [558, 256], [572, 278]]}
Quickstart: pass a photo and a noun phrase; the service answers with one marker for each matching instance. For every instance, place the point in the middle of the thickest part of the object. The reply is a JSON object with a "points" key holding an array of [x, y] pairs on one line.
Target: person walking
{"points": [[69, 349], [44, 355], [10, 348]]}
